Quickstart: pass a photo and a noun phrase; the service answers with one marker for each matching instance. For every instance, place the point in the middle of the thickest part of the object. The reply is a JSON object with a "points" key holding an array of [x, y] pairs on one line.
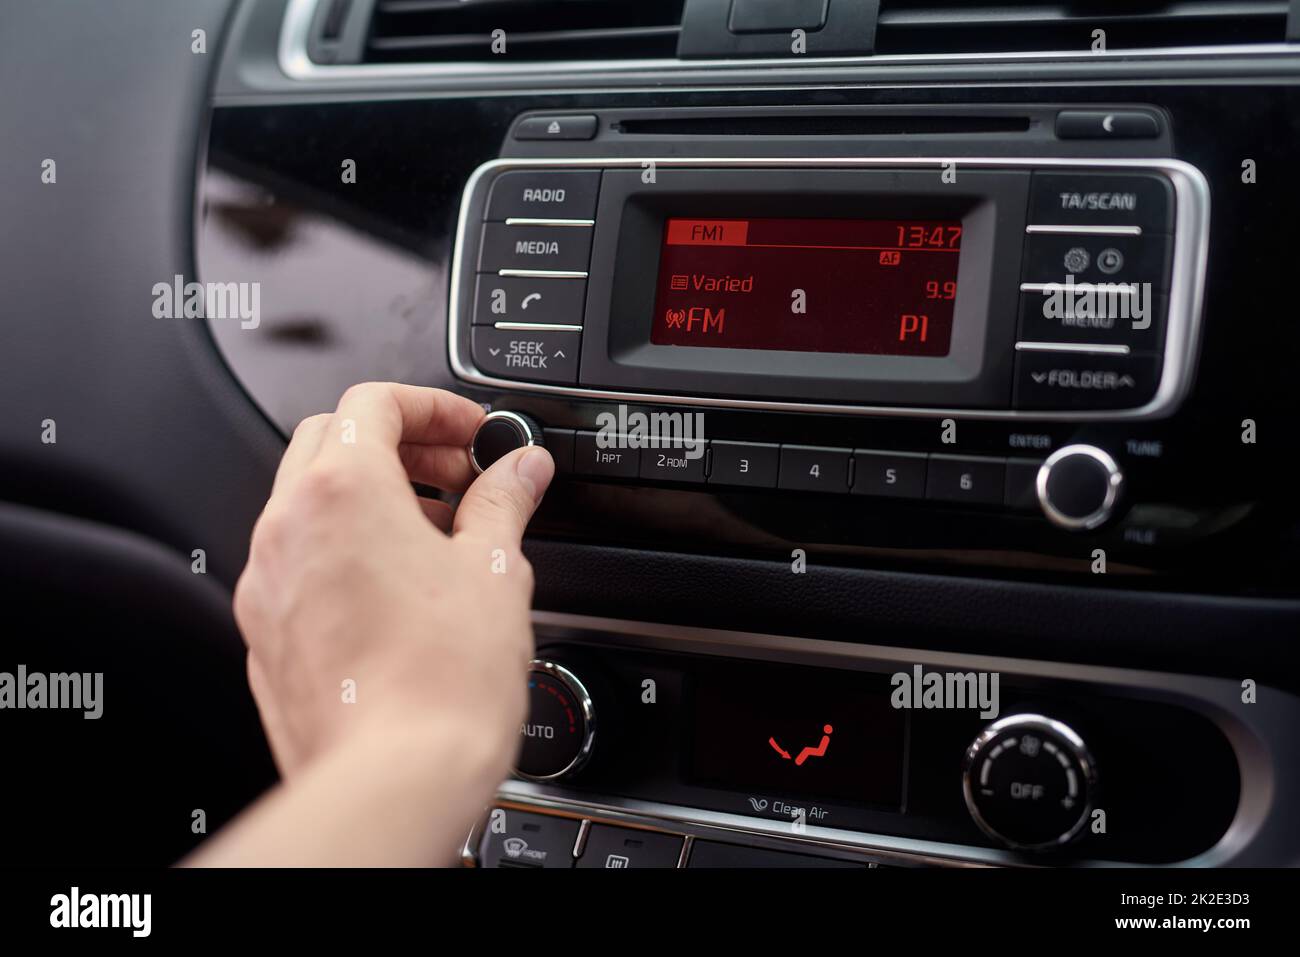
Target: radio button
{"points": [[1138, 323], [964, 478], [893, 474], [1097, 259], [544, 194], [753, 464], [617, 461], [529, 299], [566, 248], [1054, 381], [1102, 199], [809, 468], [679, 462], [543, 356]]}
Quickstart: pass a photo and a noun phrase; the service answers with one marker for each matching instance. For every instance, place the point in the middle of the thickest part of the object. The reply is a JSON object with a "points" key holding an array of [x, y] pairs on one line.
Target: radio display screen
{"points": [[824, 737], [865, 286]]}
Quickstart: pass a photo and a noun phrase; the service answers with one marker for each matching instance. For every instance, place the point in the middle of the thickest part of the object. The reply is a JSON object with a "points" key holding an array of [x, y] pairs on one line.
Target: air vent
{"points": [[460, 31], [937, 27]]}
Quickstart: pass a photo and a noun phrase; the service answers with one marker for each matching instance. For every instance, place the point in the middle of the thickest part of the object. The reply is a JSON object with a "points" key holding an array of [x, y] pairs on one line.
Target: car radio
{"points": [[988, 288]]}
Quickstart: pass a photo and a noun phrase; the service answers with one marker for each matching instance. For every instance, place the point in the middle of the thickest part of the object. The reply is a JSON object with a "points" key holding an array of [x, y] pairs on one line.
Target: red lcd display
{"points": [[867, 286]]}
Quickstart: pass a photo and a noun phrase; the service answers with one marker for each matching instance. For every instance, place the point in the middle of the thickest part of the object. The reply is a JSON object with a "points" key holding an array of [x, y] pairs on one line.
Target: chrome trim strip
{"points": [[295, 63], [580, 842], [692, 823], [1263, 735], [539, 326], [539, 273], [1191, 231], [1130, 288], [1053, 230], [1102, 348], [688, 842], [523, 221]]}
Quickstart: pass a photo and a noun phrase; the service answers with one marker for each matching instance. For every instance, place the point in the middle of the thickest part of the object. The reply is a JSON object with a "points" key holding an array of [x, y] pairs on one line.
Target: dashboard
{"points": [[921, 395]]}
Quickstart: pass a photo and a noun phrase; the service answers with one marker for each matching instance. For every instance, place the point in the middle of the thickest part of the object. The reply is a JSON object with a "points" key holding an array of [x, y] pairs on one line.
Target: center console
{"points": [[923, 490]]}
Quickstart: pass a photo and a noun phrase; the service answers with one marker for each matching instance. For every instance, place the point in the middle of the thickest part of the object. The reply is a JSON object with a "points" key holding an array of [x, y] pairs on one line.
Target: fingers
{"points": [[303, 446], [439, 513], [443, 466], [499, 504], [382, 415]]}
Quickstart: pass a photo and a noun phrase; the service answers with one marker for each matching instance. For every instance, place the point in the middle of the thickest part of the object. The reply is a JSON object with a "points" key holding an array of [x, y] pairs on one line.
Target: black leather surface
{"points": [[153, 433], [1184, 633]]}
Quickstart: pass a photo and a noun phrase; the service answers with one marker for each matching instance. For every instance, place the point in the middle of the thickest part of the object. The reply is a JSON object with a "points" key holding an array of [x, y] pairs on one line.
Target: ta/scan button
{"points": [[541, 356]]}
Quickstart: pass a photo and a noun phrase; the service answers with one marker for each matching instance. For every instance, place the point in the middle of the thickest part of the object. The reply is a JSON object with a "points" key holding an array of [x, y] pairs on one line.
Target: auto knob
{"points": [[557, 737], [499, 434], [1079, 486], [1029, 782]]}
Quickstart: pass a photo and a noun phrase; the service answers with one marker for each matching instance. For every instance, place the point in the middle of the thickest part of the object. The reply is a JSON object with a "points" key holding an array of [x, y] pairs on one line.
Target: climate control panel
{"points": [[647, 750]]}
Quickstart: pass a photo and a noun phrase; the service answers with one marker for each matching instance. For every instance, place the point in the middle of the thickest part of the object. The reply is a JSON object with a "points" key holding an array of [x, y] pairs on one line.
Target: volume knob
{"points": [[499, 434], [1078, 487]]}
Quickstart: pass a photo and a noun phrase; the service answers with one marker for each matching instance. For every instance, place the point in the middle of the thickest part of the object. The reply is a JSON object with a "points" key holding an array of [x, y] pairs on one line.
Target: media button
{"points": [[556, 248], [544, 194], [892, 474], [966, 478], [529, 299], [615, 458], [542, 356], [810, 468], [1072, 380], [753, 464]]}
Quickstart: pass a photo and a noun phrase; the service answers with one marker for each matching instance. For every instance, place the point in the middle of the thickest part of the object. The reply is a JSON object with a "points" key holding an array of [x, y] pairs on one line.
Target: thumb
{"points": [[500, 502]]}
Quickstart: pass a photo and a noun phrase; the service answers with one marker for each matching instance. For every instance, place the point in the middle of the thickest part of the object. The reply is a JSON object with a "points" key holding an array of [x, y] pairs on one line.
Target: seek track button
{"points": [[542, 356]]}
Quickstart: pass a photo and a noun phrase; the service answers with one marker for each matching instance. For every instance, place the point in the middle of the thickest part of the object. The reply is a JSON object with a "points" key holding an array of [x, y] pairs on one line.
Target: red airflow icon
{"points": [[806, 753]]}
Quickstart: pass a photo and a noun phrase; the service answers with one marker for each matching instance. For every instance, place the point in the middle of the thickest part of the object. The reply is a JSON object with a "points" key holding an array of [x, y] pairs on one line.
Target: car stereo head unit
{"points": [[1044, 288]]}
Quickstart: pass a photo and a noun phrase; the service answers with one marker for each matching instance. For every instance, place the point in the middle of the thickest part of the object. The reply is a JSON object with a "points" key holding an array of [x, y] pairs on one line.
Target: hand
{"points": [[373, 615]]}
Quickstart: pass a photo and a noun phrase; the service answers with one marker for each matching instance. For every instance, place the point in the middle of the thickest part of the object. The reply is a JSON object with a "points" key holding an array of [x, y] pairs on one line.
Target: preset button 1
{"points": [[614, 457]]}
